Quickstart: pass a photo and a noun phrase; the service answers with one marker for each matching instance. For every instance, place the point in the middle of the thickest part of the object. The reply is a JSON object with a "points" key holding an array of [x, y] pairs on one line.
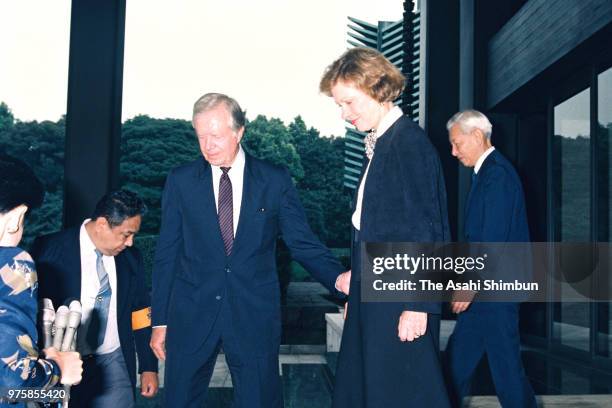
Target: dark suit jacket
{"points": [[192, 276], [495, 210], [58, 261], [496, 213], [404, 197]]}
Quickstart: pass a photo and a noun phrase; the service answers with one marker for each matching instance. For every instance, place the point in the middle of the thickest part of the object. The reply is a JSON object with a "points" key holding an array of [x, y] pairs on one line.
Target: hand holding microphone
{"points": [[70, 364], [59, 332]]}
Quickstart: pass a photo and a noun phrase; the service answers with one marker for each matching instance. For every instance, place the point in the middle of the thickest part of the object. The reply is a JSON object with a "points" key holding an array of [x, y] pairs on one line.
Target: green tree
{"points": [[321, 189], [271, 141], [6, 117], [150, 148], [40, 145]]}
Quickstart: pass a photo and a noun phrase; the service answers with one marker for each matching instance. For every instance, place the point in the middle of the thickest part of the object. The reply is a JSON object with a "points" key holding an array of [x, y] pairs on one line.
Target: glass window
{"points": [[604, 184], [572, 208], [571, 168], [33, 80], [604, 126]]}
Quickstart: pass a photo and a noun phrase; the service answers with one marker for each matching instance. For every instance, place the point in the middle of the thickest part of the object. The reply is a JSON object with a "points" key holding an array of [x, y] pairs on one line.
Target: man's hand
{"points": [[462, 300], [158, 342], [149, 384], [70, 365], [343, 282], [411, 325]]}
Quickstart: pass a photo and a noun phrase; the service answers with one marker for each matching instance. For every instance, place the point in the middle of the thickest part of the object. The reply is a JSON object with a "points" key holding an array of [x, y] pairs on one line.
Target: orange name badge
{"points": [[141, 318]]}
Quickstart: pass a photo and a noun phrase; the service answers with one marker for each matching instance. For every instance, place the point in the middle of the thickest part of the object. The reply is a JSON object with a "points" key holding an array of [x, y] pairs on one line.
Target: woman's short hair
{"points": [[18, 185], [367, 70]]}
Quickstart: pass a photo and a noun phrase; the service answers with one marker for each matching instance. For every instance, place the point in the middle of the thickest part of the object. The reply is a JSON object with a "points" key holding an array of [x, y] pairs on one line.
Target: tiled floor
{"points": [[551, 377], [221, 376], [306, 303], [549, 401], [307, 380], [307, 370]]}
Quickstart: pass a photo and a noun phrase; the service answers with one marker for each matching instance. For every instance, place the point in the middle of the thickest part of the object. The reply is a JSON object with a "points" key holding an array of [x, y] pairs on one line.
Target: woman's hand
{"points": [[411, 325]]}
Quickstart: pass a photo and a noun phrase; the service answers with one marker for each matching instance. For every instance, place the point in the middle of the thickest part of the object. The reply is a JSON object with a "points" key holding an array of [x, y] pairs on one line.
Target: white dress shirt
{"points": [[90, 286], [386, 122], [236, 176], [482, 158]]}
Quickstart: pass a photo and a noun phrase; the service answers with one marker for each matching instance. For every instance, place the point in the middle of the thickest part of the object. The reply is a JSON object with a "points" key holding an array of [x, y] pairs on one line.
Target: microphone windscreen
{"points": [[61, 317], [74, 317], [48, 316], [61, 320], [47, 304], [75, 306]]}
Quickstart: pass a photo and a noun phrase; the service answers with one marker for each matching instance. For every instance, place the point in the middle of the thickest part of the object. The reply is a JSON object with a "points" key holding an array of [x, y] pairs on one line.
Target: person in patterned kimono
{"points": [[21, 365]]}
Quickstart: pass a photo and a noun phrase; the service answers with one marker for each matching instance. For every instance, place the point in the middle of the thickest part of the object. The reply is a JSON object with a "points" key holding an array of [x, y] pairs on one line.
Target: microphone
{"points": [[61, 321], [69, 340], [48, 316], [74, 320]]}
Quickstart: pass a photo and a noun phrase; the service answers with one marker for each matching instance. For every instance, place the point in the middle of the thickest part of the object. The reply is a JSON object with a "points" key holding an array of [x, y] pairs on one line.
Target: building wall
{"points": [[538, 35]]}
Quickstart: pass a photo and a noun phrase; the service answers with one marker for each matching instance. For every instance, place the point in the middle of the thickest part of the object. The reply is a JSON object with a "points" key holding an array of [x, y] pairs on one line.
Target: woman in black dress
{"points": [[389, 355]]}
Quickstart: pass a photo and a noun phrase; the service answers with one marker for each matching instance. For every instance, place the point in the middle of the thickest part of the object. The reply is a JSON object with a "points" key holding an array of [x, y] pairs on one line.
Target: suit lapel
{"points": [[376, 165], [468, 201], [364, 166], [251, 190], [123, 279], [204, 198], [475, 182]]}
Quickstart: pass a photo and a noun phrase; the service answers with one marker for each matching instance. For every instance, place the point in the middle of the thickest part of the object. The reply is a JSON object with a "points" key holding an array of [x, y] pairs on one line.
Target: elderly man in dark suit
{"points": [[214, 279], [96, 264], [495, 212]]}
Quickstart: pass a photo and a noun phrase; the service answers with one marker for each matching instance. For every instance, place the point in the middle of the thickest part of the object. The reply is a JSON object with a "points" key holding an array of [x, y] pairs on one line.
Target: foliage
{"points": [[6, 117], [322, 192], [271, 141], [146, 244], [151, 147], [41, 145]]}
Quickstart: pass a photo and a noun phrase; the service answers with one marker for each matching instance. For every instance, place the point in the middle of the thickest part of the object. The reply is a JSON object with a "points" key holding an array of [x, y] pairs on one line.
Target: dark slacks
{"points": [[105, 383], [491, 329], [255, 378]]}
